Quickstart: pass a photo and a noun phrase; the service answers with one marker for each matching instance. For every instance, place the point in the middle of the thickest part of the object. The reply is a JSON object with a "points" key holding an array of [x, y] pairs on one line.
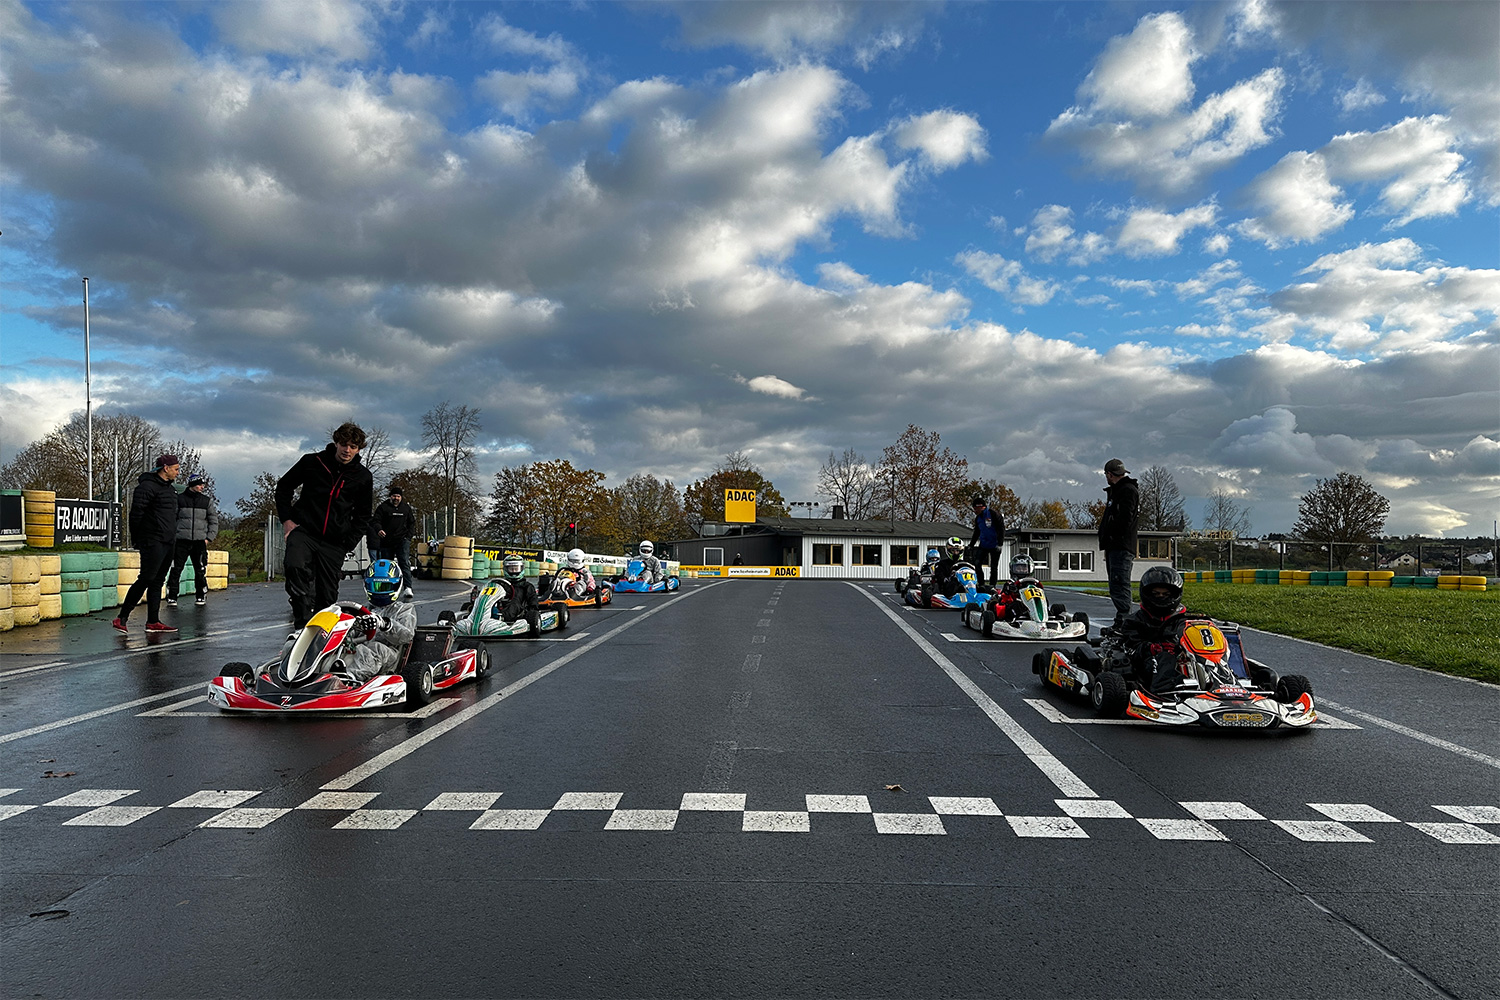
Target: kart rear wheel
{"points": [[1039, 660], [481, 663], [900, 585], [244, 671], [1291, 687], [1082, 617], [418, 678], [1059, 608], [1109, 694], [987, 623], [447, 618]]}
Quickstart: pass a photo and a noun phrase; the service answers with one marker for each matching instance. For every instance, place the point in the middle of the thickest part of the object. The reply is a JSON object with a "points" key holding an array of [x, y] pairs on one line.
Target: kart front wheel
{"points": [[1263, 677], [418, 678], [1082, 617], [447, 618], [481, 663], [244, 671], [1109, 695], [1291, 687]]}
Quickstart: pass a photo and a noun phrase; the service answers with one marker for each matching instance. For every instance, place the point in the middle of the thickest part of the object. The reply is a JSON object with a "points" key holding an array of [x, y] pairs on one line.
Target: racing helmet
{"points": [[954, 546], [933, 555], [646, 548], [382, 582], [575, 559], [1161, 590], [1020, 567], [513, 567]]}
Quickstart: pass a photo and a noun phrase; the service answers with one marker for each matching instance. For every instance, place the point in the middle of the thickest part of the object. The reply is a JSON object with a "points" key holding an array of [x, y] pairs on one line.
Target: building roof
{"points": [[849, 526]]}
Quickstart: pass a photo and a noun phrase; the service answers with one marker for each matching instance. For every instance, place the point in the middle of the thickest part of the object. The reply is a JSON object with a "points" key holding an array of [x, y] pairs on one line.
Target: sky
{"points": [[1253, 243]]}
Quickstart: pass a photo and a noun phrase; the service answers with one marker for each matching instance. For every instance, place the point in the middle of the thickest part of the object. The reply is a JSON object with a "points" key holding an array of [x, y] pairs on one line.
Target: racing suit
{"points": [[577, 583], [650, 569], [521, 602], [1006, 594], [1153, 645], [382, 654]]}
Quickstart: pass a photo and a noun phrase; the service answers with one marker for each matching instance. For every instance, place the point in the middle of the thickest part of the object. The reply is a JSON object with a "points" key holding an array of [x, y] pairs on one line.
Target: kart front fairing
{"points": [[484, 620], [967, 592], [635, 580], [1029, 617]]}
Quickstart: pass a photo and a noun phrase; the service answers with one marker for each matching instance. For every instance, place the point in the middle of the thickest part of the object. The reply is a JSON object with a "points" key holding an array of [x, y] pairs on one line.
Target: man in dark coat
{"points": [[1117, 534], [325, 520], [989, 533], [390, 533], [197, 525], [153, 530]]}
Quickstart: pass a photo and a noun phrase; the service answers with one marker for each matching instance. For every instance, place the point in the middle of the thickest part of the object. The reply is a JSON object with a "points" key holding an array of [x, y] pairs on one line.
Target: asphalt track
{"points": [[749, 788]]}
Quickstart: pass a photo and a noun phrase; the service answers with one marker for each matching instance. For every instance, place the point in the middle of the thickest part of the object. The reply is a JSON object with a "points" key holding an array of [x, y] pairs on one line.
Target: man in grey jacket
{"points": [[197, 525]]}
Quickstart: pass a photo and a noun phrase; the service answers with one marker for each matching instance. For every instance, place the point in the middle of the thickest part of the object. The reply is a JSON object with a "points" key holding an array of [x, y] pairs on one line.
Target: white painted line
{"points": [[112, 816], [1093, 808], [954, 805], [375, 819], [838, 804], [510, 819], [775, 822], [1457, 833], [92, 797], [1181, 829], [1056, 771], [1394, 727], [763, 623], [642, 819], [757, 638], [1221, 810], [156, 646], [339, 800], [6, 812], [1322, 831], [1326, 721], [214, 799], [713, 801], [1057, 827], [462, 801], [8, 791], [60, 723], [588, 800], [169, 709], [412, 744], [1352, 812], [923, 824], [1472, 814], [953, 638], [243, 818]]}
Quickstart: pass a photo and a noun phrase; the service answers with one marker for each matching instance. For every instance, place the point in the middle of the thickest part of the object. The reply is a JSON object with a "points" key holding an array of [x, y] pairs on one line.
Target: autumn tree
{"points": [[1223, 512], [534, 504], [704, 499], [449, 432], [647, 508], [1002, 500], [1046, 514], [1161, 502], [512, 516], [1084, 513], [257, 508], [1341, 512], [919, 479], [848, 481]]}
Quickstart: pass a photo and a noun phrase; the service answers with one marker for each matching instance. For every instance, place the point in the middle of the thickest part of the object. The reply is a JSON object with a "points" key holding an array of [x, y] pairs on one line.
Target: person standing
{"points": [[153, 529], [197, 525], [325, 520], [1117, 534], [989, 533], [390, 533]]}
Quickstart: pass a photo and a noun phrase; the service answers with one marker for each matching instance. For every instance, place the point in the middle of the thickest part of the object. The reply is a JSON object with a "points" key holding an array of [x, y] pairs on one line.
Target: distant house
{"points": [[1404, 561], [1073, 553]]}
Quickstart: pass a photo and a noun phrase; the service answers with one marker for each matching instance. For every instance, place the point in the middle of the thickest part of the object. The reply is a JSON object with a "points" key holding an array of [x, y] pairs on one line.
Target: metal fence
{"points": [[1410, 557]]}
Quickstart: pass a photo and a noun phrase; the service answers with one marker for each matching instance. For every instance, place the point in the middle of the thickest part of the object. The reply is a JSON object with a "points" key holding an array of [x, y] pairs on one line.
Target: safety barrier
{"points": [[1377, 578]]}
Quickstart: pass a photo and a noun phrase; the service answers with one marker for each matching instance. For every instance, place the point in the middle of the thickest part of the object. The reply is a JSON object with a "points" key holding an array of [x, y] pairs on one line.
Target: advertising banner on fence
{"points": [[12, 525], [763, 571], [94, 521]]}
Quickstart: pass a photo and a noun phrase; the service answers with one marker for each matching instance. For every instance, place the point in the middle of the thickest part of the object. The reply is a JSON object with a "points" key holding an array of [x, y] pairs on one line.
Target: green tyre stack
{"points": [[76, 572], [1403, 581], [96, 581], [111, 563]]}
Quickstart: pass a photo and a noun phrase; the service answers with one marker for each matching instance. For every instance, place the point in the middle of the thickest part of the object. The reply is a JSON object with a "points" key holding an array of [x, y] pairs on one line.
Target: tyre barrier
{"points": [[40, 507]]}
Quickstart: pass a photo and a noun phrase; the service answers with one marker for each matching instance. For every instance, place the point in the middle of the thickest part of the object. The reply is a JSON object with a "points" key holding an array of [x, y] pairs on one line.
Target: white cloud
{"points": [[945, 139], [553, 79], [1360, 95], [1147, 73], [1217, 245], [1151, 232], [1007, 277], [1213, 276], [1295, 202], [1418, 157], [340, 28], [770, 385], [790, 31]]}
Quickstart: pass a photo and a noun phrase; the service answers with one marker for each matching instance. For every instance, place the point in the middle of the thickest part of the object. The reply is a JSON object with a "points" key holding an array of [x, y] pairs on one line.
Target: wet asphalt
{"points": [[748, 788]]}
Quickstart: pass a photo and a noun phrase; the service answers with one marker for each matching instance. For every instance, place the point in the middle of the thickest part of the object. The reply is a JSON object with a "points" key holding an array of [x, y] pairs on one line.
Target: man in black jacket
{"points": [[390, 533], [1117, 534], [325, 520], [153, 530]]}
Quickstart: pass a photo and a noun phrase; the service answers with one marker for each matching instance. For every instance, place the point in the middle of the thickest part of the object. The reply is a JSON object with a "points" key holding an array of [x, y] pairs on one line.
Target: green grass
{"points": [[1451, 631]]}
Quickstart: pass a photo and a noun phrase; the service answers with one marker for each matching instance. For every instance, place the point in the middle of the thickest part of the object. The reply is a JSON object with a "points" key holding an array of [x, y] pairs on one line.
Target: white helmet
{"points": [[575, 559], [646, 548]]}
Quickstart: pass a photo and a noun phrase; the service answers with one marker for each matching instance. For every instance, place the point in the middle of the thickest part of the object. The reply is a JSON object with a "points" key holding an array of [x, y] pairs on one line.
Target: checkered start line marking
{"points": [[231, 813]]}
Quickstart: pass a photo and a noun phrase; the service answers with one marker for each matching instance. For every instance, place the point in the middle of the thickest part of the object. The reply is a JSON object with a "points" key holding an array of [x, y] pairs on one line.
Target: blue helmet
{"points": [[933, 555], [382, 582]]}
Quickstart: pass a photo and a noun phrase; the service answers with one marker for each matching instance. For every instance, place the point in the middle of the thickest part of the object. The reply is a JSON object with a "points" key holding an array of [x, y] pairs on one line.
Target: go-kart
{"points": [[1019, 610], [967, 590], [482, 618], [635, 580], [552, 591], [910, 585], [311, 675], [1205, 680]]}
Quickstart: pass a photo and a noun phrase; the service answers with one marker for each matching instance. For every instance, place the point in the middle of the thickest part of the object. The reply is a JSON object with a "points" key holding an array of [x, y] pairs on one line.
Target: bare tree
{"points": [[1161, 502], [58, 461], [850, 481], [1084, 513], [1224, 513], [1340, 512], [450, 431], [918, 479]]}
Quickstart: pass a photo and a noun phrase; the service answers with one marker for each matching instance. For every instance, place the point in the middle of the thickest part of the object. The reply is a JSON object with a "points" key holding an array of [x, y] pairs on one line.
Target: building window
{"points": [[1154, 548], [867, 555], [904, 555], [827, 555], [1075, 562]]}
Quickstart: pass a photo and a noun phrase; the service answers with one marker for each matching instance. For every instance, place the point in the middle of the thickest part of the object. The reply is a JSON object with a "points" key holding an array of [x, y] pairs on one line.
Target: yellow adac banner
{"points": [[764, 571], [739, 506]]}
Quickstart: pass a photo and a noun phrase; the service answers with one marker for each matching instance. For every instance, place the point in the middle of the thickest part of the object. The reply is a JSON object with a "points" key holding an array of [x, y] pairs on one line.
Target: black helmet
{"points": [[1020, 567], [1161, 590], [978, 501]]}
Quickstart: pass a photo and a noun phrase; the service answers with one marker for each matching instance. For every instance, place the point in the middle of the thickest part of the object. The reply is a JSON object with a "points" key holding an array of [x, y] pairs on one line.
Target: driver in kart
{"points": [[579, 582], [520, 595], [389, 626], [1151, 636], [944, 580], [651, 565], [1008, 593]]}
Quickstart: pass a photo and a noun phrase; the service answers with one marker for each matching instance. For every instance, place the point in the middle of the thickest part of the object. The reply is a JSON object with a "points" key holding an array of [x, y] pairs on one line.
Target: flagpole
{"points": [[88, 396]]}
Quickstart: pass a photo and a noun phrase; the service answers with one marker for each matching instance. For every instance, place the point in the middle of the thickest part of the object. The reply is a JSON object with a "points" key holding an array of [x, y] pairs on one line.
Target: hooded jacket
{"points": [[335, 501], [396, 519], [197, 517], [153, 511], [1122, 508]]}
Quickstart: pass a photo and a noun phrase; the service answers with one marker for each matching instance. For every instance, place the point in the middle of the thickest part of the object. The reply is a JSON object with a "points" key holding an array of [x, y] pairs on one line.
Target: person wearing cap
{"points": [[390, 533], [197, 525], [153, 530], [1117, 535], [324, 504], [989, 533]]}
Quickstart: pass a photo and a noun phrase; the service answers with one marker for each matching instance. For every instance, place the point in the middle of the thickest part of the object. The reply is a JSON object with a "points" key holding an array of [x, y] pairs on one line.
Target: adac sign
{"points": [[739, 506]]}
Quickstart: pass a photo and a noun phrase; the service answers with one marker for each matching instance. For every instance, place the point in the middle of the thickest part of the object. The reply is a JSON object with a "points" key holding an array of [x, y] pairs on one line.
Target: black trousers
{"points": [[992, 557], [156, 559], [198, 552], [396, 549], [312, 568]]}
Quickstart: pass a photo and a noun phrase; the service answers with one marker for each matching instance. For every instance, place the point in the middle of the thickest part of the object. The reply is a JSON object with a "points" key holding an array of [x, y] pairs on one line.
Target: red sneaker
{"points": [[159, 627], [120, 626]]}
